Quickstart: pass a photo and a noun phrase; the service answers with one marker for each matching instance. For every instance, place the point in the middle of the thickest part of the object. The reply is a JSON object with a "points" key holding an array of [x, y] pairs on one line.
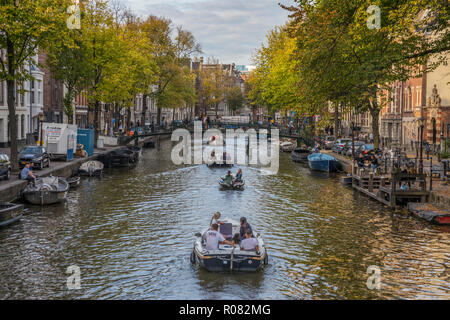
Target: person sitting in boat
{"points": [[228, 178], [249, 243], [27, 173], [215, 219], [213, 237], [245, 226], [238, 176]]}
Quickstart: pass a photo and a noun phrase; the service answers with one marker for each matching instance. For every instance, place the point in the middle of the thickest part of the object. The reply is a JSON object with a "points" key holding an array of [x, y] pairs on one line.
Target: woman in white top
{"points": [[215, 219]]}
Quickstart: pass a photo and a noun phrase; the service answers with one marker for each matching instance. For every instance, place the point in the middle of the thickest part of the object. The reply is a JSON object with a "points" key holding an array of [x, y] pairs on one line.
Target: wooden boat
{"points": [[300, 155], [323, 162], [74, 182], [429, 212], [236, 185], [287, 146], [226, 258], [10, 213], [91, 168], [47, 190]]}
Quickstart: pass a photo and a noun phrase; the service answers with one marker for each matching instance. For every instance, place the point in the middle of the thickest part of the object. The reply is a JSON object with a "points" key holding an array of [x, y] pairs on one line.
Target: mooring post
{"points": [[431, 174]]}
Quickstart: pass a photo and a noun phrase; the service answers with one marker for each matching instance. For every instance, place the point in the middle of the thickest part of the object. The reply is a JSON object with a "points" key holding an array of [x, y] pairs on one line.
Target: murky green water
{"points": [[131, 233]]}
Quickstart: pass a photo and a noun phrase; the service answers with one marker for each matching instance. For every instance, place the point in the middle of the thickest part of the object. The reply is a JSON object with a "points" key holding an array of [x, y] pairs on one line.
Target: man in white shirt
{"points": [[213, 238], [249, 243]]}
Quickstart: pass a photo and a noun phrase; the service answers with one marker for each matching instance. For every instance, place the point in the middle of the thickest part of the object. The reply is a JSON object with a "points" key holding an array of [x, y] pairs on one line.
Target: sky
{"points": [[228, 30]]}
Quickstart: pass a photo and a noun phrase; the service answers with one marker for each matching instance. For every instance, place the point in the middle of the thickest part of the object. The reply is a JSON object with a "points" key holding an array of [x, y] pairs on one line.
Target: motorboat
{"points": [[300, 155], [91, 168], [47, 190], [10, 213], [124, 157], [287, 146], [237, 185], [227, 258], [323, 162], [215, 162], [74, 181]]}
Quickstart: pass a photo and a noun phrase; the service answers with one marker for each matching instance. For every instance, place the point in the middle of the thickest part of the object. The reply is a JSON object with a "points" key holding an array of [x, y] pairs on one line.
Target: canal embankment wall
{"points": [[10, 189]]}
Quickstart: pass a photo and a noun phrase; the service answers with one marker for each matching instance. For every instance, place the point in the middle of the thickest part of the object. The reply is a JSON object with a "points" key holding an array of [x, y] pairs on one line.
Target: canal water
{"points": [[131, 233]]}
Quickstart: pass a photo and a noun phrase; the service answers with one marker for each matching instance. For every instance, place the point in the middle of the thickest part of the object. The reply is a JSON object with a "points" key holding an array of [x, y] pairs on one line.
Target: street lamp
{"points": [[421, 125], [41, 120]]}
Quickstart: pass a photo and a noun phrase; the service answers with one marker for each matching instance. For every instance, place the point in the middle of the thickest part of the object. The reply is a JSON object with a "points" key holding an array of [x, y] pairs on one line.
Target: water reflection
{"points": [[131, 233]]}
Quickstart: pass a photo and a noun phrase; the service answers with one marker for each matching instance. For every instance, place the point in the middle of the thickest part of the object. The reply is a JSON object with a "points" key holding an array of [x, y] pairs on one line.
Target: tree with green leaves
{"points": [[25, 27], [234, 98], [343, 58], [174, 84]]}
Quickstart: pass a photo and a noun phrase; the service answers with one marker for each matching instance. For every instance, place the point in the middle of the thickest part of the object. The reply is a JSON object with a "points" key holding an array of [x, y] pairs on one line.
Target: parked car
{"points": [[339, 144], [36, 154], [5, 166], [348, 148], [328, 142], [365, 149]]}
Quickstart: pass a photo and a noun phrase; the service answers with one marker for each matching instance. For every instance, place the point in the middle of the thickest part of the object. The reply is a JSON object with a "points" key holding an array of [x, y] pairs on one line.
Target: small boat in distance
{"points": [[74, 181], [226, 258], [91, 168], [236, 185], [10, 213], [323, 162], [300, 155], [47, 190], [287, 146]]}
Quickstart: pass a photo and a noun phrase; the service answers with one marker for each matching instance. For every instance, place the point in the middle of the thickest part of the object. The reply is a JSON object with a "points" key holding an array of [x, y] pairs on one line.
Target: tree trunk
{"points": [[11, 106], [336, 121], [96, 121], [144, 109], [375, 112], [158, 116], [128, 118]]}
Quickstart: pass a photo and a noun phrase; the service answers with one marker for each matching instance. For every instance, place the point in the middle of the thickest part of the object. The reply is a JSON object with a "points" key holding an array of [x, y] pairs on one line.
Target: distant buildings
{"points": [[29, 104]]}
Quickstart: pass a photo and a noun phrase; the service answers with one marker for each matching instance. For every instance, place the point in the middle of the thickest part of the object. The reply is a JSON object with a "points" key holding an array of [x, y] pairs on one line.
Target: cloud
{"points": [[230, 30]]}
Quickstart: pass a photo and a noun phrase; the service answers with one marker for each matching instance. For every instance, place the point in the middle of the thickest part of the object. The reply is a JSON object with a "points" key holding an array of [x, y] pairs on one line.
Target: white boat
{"points": [[287, 146], [91, 168], [47, 190], [226, 258]]}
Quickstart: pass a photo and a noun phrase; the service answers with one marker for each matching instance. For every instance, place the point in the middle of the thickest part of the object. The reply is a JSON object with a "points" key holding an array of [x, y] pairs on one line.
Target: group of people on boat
{"points": [[244, 238], [231, 180]]}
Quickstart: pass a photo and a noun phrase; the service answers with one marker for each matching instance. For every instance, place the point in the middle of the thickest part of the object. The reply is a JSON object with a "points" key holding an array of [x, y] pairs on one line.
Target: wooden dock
{"points": [[388, 190]]}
